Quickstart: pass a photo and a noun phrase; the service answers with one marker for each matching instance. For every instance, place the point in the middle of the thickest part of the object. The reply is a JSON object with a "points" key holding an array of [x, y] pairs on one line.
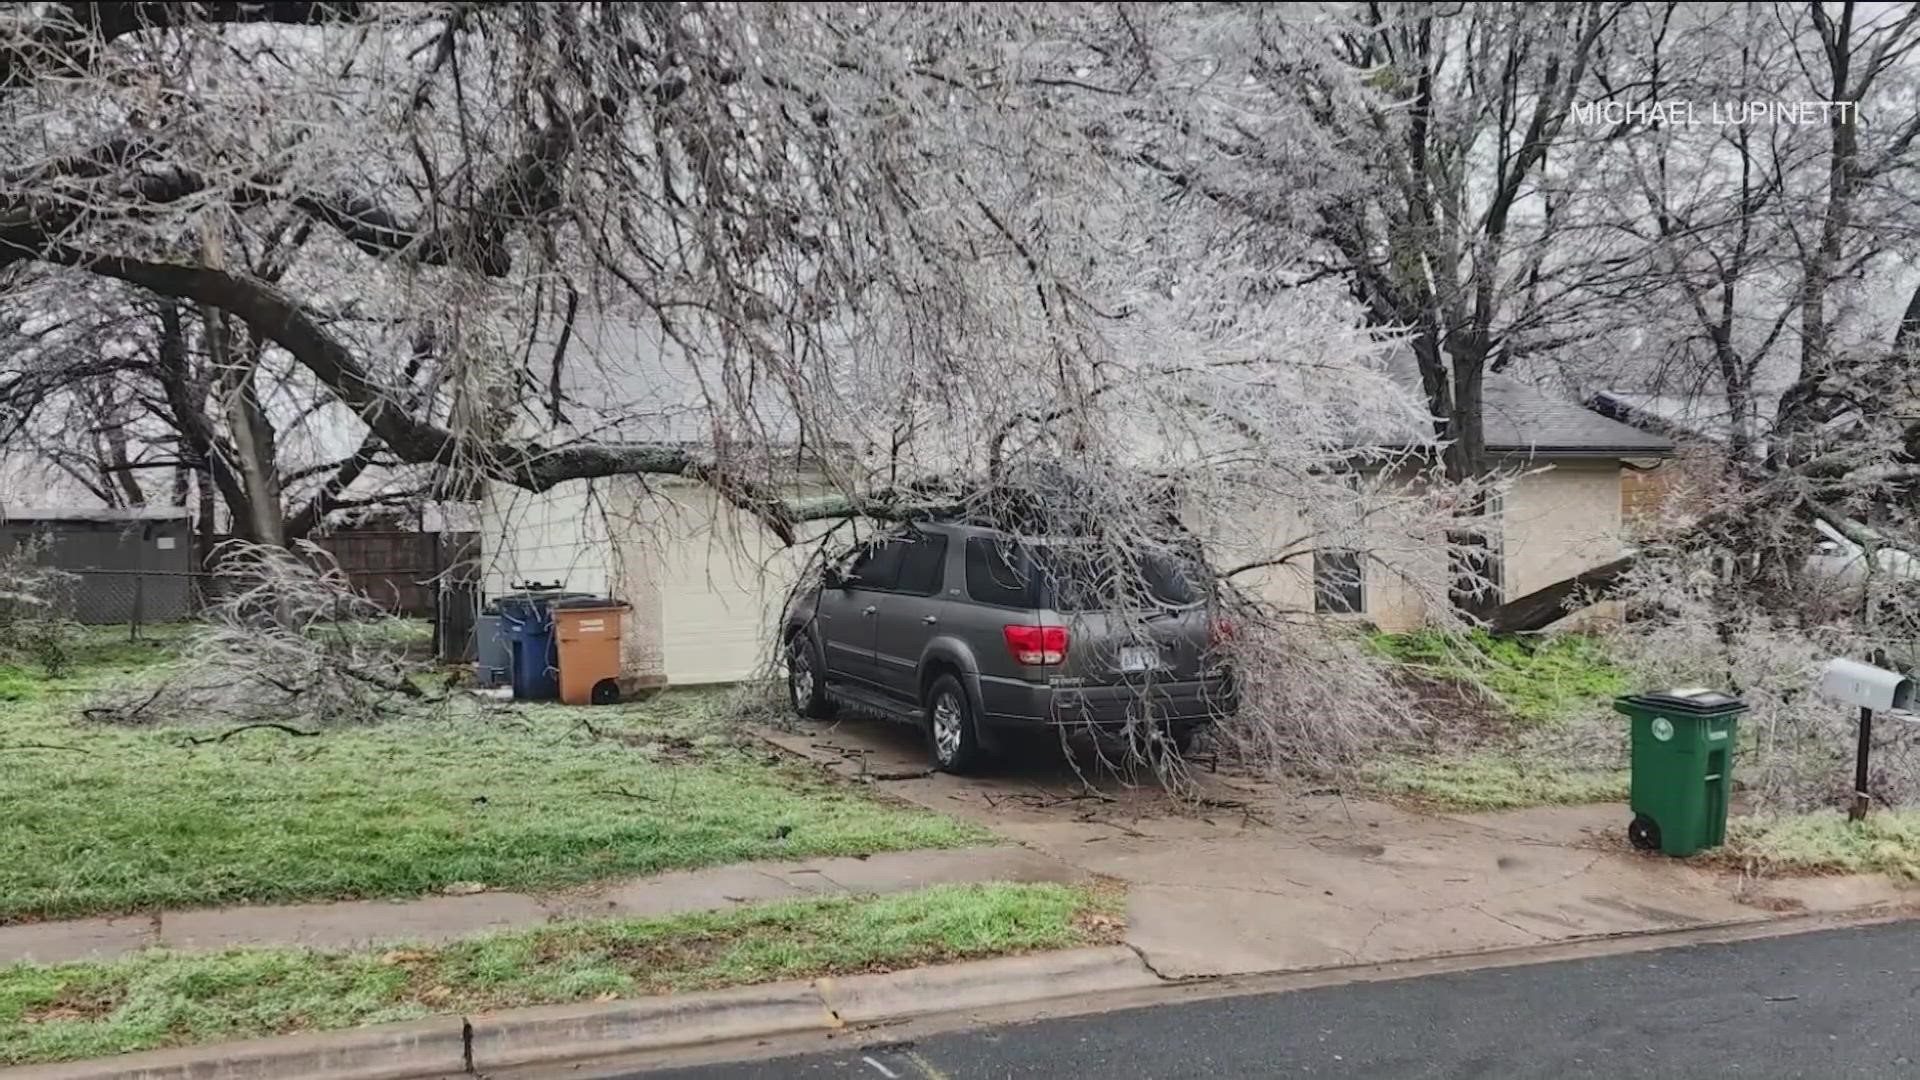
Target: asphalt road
{"points": [[1828, 1004]]}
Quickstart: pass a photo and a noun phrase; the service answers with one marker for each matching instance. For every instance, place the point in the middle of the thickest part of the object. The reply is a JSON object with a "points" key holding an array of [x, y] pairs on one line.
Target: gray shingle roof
{"points": [[1523, 419]]}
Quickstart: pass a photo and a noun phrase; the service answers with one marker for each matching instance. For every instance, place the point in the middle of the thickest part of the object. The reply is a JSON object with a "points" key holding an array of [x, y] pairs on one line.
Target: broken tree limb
{"points": [[1543, 607], [289, 729]]}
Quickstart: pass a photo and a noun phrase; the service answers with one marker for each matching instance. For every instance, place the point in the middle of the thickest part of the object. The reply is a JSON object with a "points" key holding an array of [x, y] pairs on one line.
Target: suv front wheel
{"points": [[805, 688], [952, 735]]}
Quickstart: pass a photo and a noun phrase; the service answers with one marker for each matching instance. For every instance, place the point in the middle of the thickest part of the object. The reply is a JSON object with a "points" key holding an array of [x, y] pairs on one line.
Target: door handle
{"points": [[869, 609], [929, 619]]}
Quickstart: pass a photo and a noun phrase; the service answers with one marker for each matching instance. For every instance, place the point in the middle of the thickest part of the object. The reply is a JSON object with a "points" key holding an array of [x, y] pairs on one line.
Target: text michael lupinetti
{"points": [[1715, 113]]}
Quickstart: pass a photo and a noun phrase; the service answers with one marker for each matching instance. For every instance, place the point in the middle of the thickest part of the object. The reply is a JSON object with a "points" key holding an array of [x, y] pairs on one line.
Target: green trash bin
{"points": [[1682, 767]]}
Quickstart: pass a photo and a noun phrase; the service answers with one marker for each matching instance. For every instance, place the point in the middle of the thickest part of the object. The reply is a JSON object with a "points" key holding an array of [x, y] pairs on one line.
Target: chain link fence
{"points": [[135, 598]]}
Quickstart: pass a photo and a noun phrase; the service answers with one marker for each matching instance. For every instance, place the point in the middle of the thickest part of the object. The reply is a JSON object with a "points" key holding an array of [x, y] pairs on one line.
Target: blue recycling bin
{"points": [[527, 623]]}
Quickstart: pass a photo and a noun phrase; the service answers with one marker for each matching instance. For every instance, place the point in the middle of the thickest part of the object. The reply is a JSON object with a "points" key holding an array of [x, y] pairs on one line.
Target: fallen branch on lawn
{"points": [[290, 646], [258, 726], [624, 794]]}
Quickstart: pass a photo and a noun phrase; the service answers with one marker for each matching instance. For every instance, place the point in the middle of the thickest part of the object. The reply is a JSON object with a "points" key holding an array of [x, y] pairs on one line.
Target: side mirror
{"points": [[832, 578]]}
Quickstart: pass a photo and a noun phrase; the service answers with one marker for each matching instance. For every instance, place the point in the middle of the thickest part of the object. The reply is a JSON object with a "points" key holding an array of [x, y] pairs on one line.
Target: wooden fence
{"points": [[401, 571], [420, 575]]}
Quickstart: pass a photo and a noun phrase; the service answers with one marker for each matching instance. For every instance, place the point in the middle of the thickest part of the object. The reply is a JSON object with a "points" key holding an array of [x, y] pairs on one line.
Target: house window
{"points": [[1339, 582]]}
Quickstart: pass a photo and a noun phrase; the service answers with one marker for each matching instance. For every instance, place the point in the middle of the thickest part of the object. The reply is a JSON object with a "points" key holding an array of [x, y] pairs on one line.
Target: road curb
{"points": [[417, 1048], [557, 1033], [901, 995], [552, 1034]]}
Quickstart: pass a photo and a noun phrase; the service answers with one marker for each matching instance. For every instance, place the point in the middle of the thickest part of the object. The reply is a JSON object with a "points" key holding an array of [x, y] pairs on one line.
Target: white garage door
{"points": [[722, 585]]}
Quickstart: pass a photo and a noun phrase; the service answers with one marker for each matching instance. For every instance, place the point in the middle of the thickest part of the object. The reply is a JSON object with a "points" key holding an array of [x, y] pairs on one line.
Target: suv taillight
{"points": [[1039, 645]]}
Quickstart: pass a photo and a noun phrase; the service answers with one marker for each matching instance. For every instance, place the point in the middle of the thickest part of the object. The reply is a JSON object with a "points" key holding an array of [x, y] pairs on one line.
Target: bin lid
{"points": [[1690, 701], [573, 603], [533, 601]]}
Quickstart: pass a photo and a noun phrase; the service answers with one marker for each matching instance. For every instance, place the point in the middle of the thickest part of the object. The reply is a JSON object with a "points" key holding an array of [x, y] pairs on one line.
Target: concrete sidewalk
{"points": [[444, 918], [1262, 879]]}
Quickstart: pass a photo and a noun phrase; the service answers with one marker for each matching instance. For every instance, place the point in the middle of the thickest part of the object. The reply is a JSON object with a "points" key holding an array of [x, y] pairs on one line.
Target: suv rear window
{"points": [[997, 573], [1003, 572], [1077, 579]]}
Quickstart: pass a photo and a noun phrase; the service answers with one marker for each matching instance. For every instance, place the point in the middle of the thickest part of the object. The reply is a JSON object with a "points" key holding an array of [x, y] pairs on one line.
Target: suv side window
{"points": [[997, 573], [878, 565], [923, 569]]}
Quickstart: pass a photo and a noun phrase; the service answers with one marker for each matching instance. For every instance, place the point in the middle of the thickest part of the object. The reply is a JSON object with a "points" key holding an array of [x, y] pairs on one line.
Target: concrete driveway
{"points": [[1256, 876]]}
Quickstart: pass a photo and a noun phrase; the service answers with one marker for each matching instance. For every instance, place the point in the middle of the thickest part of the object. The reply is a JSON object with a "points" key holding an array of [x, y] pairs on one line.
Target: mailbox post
{"points": [[1870, 687]]}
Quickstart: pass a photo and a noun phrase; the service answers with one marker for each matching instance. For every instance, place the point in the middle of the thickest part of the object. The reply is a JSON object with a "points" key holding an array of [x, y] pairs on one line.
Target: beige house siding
{"points": [[704, 582], [707, 583], [556, 535], [1558, 519], [1396, 552], [572, 534]]}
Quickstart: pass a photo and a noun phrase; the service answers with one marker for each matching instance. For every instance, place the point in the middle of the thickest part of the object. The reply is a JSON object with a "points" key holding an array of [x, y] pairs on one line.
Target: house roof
{"points": [[1683, 416], [1520, 418], [101, 515], [649, 393]]}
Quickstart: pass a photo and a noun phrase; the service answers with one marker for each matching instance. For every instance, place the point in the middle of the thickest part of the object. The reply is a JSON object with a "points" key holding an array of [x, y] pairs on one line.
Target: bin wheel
{"points": [[1644, 833], [605, 692]]}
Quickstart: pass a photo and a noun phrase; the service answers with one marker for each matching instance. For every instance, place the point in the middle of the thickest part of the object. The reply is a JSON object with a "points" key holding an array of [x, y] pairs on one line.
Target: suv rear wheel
{"points": [[805, 688], [952, 736]]}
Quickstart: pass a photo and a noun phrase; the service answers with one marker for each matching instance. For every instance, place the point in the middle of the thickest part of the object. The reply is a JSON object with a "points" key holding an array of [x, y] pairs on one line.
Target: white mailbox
{"points": [[1869, 687]]}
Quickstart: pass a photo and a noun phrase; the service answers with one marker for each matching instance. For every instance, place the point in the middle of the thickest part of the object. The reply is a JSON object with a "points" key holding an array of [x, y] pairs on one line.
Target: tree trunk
{"points": [[1472, 549], [252, 435]]}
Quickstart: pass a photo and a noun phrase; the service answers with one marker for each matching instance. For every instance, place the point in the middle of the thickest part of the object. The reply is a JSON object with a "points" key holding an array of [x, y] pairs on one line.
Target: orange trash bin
{"points": [[588, 632]]}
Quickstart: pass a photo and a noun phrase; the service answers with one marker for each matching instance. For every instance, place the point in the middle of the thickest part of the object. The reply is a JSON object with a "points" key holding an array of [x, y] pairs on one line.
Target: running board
{"points": [[872, 701]]}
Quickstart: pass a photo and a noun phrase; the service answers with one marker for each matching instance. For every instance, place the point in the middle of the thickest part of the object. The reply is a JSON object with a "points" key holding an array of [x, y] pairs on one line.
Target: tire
{"points": [[1644, 833], [1182, 737], [806, 690], [953, 739]]}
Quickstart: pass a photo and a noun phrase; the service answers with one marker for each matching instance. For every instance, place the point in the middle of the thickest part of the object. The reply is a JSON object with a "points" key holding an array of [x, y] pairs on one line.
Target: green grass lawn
{"points": [[157, 999], [1884, 842], [102, 819], [1544, 735], [1490, 780], [1541, 679]]}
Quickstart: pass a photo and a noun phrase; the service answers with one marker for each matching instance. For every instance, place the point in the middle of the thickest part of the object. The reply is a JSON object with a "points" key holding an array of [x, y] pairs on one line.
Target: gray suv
{"points": [[976, 634]]}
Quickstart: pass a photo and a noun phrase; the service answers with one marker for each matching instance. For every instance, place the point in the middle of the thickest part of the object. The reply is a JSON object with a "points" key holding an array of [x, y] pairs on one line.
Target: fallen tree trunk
{"points": [[1543, 607]]}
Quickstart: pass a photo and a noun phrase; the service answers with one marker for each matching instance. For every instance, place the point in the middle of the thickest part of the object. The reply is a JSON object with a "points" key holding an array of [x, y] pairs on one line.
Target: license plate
{"points": [[1138, 658]]}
